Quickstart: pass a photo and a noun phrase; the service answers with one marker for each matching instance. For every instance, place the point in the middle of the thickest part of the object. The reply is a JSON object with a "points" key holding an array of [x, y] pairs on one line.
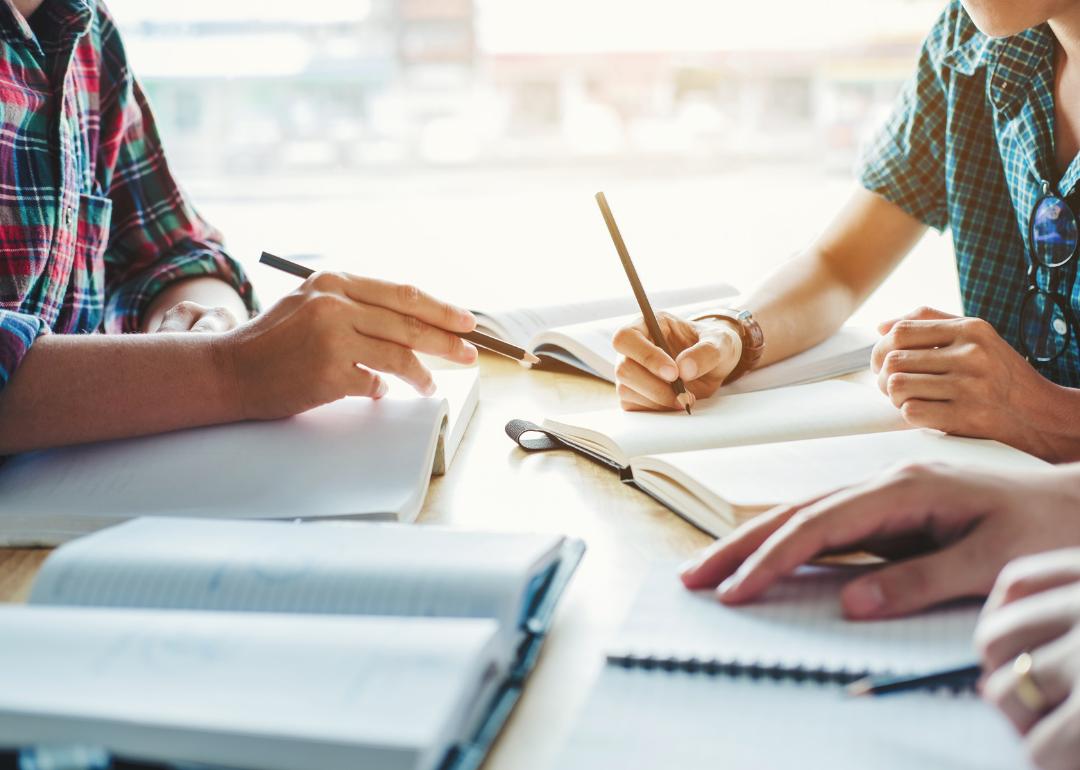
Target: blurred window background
{"points": [[308, 126]]}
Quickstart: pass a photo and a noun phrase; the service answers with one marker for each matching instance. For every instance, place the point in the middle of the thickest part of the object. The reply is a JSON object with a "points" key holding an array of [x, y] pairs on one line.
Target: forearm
{"points": [[205, 290], [808, 298], [79, 388]]}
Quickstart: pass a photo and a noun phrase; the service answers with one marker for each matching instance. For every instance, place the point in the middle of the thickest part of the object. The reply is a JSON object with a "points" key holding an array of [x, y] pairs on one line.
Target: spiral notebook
{"points": [[690, 683]]}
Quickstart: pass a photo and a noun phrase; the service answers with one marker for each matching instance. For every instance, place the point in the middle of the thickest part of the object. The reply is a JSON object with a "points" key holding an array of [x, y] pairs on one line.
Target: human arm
{"points": [[1035, 608], [972, 522], [800, 304], [328, 339]]}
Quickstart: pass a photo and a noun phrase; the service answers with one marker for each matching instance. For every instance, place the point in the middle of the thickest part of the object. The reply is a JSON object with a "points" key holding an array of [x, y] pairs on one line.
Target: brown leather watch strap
{"points": [[753, 340]]}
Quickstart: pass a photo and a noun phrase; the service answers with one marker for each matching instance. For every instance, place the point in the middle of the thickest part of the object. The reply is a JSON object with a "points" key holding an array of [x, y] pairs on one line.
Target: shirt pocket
{"points": [[84, 304], [92, 233]]}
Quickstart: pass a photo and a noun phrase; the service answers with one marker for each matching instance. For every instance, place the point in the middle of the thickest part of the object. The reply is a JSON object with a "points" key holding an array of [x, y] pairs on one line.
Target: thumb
{"points": [[918, 314], [716, 348], [910, 586]]}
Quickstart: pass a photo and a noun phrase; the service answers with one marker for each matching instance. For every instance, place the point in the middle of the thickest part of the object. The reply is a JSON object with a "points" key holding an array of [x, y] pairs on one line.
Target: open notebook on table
{"points": [[690, 683], [276, 645], [355, 458], [579, 334], [737, 456]]}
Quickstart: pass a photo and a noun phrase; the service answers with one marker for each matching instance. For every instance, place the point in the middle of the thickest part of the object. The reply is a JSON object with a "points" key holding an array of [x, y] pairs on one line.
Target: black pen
{"points": [[493, 344], [643, 301], [957, 679]]}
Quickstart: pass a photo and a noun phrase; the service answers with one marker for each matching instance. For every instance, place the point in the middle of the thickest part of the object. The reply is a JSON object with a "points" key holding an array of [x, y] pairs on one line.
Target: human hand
{"points": [[192, 317], [1035, 608], [330, 337], [705, 353], [959, 376], [976, 521]]}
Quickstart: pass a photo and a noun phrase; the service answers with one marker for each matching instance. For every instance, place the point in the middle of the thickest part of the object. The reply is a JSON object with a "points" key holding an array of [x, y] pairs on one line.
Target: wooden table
{"points": [[494, 485]]}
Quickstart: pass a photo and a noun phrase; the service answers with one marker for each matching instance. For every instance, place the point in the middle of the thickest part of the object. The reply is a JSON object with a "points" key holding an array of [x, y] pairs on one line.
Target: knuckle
{"points": [[325, 281], [323, 306], [621, 339], [893, 359], [904, 328], [414, 329], [409, 296], [622, 369]]}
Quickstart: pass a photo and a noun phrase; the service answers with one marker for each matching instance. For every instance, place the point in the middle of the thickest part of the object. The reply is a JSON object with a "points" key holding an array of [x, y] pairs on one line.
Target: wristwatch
{"points": [[753, 341]]}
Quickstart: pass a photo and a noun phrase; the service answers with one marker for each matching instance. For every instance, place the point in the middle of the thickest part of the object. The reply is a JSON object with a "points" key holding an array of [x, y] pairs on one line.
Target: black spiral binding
{"points": [[735, 668]]}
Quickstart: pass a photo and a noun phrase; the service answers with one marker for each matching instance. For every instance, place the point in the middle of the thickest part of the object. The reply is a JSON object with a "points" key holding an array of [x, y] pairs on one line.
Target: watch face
{"points": [[745, 315]]}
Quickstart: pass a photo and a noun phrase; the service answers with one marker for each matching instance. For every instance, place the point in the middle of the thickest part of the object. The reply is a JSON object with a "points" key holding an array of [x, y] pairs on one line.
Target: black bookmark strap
{"points": [[515, 429]]}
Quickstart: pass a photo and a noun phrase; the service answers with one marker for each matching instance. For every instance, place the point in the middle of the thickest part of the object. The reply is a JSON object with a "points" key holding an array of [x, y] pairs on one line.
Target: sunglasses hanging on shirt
{"points": [[1046, 324]]}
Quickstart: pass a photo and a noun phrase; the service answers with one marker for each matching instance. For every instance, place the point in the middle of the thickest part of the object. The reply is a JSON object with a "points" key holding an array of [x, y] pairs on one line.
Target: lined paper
{"points": [[354, 568], [798, 622], [281, 692]]}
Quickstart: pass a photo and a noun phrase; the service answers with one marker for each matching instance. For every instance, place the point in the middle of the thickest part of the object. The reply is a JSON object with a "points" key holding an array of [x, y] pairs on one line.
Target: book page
{"points": [[242, 690], [798, 622], [354, 457], [771, 474], [785, 414], [352, 568], [519, 326], [643, 720]]}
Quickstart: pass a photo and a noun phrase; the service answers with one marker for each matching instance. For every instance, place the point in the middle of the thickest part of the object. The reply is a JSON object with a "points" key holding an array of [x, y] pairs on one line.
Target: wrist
{"points": [[227, 375], [1053, 423]]}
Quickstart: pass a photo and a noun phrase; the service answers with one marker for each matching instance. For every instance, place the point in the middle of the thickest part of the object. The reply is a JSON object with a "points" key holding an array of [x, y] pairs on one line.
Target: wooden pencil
{"points": [[643, 300], [494, 344]]}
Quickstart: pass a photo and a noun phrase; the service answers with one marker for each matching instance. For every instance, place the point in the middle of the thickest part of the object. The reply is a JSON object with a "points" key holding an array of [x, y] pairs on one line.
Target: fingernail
{"points": [[689, 369], [384, 388], [690, 565], [668, 372], [729, 585], [864, 599]]}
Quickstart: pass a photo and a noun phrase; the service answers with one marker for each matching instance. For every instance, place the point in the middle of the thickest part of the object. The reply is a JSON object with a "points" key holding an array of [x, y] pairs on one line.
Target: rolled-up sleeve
{"points": [[156, 237], [905, 160], [17, 333]]}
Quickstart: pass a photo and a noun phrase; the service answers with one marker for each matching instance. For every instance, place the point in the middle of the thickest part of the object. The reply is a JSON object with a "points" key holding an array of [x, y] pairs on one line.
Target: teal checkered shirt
{"points": [[968, 147]]}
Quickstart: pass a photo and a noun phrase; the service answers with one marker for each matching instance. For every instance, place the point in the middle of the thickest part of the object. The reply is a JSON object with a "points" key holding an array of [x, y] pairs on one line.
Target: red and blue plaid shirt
{"points": [[92, 224]]}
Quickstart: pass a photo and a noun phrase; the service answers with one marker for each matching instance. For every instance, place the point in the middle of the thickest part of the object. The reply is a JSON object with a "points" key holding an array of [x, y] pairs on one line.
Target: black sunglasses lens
{"points": [[1043, 326], [1053, 232]]}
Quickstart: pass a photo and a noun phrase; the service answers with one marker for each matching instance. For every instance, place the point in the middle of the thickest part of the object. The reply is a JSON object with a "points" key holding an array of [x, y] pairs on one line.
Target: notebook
{"points": [[357, 458], [818, 410], [719, 489], [690, 683], [580, 335], [280, 645]]}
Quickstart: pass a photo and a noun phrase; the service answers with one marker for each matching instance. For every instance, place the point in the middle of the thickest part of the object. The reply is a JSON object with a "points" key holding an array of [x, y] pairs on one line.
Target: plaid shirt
{"points": [[967, 147], [92, 224]]}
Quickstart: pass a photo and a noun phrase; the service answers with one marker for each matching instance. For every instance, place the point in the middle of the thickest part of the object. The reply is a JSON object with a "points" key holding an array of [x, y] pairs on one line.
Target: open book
{"points": [[580, 335], [718, 489], [689, 681], [276, 645], [737, 456], [357, 458]]}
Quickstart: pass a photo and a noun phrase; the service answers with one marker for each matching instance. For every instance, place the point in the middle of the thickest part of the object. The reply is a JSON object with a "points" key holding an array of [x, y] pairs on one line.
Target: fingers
{"points": [[724, 556], [402, 299], [719, 349], [193, 317], [1025, 625], [919, 314], [902, 501], [634, 343], [640, 387], [1033, 574], [393, 359], [918, 361], [364, 382], [954, 572], [1053, 671], [913, 334], [411, 333], [1054, 741]]}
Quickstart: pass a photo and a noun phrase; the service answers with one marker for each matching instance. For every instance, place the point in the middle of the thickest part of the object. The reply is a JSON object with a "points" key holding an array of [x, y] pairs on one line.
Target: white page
{"points": [[520, 325], [353, 457], [643, 720], [846, 351], [356, 568], [798, 622], [461, 390], [786, 414], [789, 472], [279, 692]]}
